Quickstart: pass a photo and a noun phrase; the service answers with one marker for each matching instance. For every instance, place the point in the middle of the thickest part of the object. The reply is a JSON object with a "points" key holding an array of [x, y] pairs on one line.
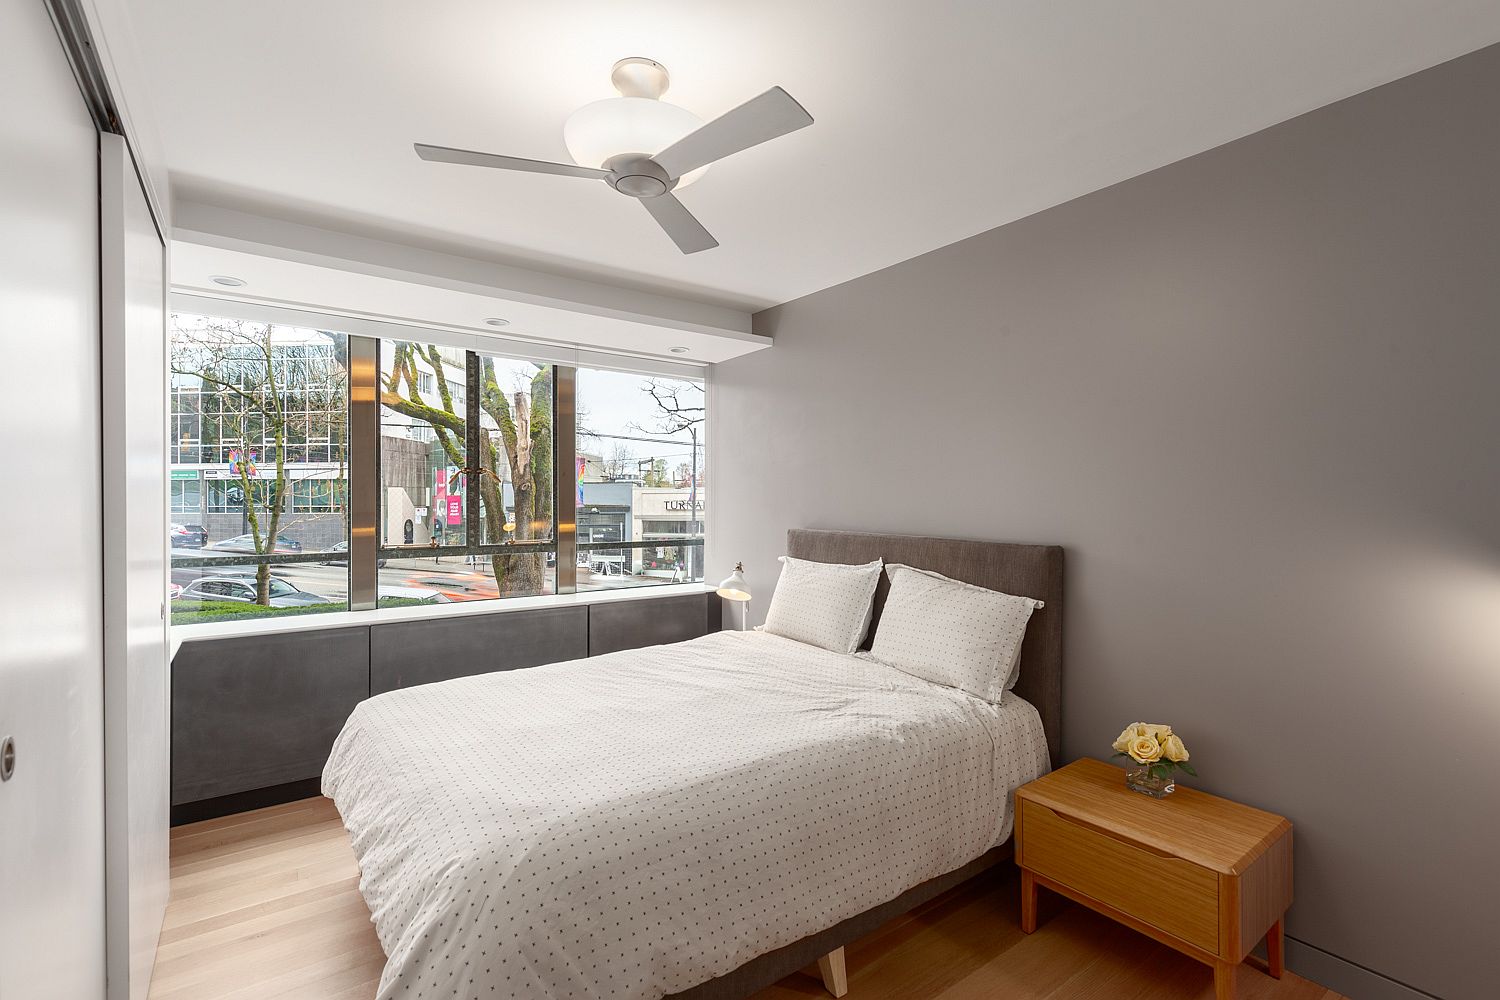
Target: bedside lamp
{"points": [[734, 589]]}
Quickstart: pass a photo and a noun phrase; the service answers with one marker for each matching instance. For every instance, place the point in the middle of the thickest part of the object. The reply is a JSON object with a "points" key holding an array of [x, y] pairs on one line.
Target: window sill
{"points": [[382, 616]]}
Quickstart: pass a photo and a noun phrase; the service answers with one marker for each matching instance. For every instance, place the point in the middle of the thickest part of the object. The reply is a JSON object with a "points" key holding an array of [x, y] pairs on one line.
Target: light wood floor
{"points": [[266, 905]]}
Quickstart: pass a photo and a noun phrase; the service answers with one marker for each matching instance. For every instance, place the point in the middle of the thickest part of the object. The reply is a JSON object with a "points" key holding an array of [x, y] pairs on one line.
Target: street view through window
{"points": [[261, 458], [640, 479], [425, 492]]}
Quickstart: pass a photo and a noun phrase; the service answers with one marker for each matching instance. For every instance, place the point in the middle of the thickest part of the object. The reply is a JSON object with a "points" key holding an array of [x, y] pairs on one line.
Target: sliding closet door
{"points": [[51, 670], [137, 810]]}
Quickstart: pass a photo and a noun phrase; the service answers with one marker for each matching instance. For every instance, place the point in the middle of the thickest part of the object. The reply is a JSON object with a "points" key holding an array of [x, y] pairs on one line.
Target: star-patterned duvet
{"points": [[632, 825]]}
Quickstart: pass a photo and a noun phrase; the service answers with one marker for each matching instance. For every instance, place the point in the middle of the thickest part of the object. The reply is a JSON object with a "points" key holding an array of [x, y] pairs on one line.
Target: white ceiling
{"points": [[934, 121]]}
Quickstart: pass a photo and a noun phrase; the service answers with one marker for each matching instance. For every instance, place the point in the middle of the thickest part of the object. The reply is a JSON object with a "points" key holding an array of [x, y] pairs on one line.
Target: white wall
{"points": [[51, 690], [137, 761]]}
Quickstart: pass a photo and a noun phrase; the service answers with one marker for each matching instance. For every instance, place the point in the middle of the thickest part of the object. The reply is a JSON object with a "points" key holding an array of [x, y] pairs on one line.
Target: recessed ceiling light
{"points": [[229, 281], [678, 350], [497, 321]]}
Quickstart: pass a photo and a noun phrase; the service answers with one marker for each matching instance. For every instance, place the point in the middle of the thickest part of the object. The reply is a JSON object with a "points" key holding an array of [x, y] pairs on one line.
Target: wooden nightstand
{"points": [[1198, 873]]}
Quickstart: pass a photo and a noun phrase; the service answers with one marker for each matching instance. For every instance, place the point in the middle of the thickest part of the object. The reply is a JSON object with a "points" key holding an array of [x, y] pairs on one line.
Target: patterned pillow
{"points": [[823, 604], [952, 633]]}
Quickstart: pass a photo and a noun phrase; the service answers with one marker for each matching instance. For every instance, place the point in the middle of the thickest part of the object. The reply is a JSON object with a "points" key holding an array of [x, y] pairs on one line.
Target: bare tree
{"points": [[618, 464], [681, 404], [681, 407], [255, 380]]}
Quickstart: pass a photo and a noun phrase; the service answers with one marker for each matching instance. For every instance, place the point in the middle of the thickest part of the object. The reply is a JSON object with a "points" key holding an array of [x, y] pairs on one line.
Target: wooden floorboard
{"points": [[266, 906]]}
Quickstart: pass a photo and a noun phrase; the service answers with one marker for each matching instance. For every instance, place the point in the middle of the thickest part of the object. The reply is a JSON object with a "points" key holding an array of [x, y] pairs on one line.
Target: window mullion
{"points": [[473, 535], [363, 443], [565, 475]]}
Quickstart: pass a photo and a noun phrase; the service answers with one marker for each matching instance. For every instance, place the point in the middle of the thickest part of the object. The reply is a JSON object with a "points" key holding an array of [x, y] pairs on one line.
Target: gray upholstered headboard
{"points": [[1025, 570]]}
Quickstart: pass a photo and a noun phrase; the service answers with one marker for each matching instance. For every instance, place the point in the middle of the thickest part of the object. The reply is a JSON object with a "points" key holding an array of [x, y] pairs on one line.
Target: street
{"points": [[418, 578]]}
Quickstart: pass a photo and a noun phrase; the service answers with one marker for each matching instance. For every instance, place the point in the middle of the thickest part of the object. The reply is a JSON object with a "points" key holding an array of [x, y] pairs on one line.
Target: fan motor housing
{"points": [[637, 176]]}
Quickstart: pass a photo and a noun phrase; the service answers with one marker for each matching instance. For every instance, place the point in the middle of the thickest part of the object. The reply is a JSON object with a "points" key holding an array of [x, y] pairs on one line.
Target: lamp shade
{"points": [[734, 588], [598, 131]]}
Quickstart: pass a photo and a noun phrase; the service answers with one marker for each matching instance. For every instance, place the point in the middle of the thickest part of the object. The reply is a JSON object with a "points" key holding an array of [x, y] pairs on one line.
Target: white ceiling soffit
{"points": [[287, 266], [934, 121]]}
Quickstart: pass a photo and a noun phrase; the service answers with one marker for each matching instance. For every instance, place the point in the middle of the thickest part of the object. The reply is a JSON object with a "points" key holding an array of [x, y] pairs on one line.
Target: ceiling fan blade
{"points": [[446, 154], [672, 215], [758, 120]]}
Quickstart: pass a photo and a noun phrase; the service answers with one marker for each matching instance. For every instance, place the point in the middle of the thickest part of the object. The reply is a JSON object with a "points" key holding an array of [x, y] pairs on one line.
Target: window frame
{"points": [[363, 469], [473, 545]]}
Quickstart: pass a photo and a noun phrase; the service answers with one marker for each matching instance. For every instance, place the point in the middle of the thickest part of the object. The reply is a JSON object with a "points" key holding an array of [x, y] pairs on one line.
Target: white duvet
{"points": [[635, 824]]}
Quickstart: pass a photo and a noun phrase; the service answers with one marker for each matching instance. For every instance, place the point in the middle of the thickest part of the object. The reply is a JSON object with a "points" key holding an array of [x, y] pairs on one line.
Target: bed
{"points": [[694, 820]]}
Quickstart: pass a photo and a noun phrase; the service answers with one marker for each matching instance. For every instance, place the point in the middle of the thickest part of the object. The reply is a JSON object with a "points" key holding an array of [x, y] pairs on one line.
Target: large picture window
{"points": [[461, 468], [641, 453], [259, 470], [446, 534]]}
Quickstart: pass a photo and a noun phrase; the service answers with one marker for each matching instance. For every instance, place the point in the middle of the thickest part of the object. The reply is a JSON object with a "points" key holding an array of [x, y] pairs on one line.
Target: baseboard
{"points": [[256, 798], [1342, 976]]}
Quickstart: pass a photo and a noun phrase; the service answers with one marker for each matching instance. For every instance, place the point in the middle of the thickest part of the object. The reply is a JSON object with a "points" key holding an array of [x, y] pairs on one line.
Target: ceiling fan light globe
{"points": [[604, 129]]}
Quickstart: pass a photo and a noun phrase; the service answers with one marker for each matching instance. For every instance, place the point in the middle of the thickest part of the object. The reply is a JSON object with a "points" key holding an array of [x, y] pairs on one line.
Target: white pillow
{"points": [[823, 604], [952, 633]]}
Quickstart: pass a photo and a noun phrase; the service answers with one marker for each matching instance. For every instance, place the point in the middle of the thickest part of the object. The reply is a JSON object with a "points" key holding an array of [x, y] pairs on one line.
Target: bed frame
{"points": [[1026, 570]]}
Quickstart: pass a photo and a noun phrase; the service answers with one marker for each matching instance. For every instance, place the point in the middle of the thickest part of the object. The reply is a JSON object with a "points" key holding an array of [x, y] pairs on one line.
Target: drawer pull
{"points": [[1101, 831]]}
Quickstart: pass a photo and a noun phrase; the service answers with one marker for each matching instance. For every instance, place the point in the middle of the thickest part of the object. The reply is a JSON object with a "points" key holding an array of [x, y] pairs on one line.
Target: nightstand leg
{"points": [[1028, 902], [1276, 949], [1224, 980]]}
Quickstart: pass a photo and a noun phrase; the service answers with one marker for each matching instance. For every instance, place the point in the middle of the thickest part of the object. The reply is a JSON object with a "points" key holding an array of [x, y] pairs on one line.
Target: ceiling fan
{"points": [[644, 147]]}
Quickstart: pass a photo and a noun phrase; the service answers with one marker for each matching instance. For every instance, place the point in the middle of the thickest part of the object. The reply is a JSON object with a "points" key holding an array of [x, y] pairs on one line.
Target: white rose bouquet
{"points": [[1155, 747]]}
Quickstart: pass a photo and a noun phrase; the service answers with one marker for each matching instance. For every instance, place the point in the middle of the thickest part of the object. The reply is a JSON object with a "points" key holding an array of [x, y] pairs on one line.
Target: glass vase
{"points": [[1138, 778]]}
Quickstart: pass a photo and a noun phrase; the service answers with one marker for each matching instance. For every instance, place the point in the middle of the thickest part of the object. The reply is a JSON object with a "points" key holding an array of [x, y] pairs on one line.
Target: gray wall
{"points": [[1257, 395]]}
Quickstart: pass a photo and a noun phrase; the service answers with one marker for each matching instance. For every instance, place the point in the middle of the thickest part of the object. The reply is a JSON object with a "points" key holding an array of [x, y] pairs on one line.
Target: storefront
{"points": [[669, 514]]}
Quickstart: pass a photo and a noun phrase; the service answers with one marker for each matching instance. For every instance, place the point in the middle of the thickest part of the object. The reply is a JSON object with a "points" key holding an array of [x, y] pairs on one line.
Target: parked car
{"points": [[186, 566], [242, 591], [246, 543], [188, 536], [340, 553], [414, 594]]}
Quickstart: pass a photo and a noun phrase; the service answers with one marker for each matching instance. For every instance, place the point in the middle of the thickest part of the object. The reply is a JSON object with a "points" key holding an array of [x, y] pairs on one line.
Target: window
{"points": [[640, 442], [461, 464], [186, 493], [465, 480], [259, 452]]}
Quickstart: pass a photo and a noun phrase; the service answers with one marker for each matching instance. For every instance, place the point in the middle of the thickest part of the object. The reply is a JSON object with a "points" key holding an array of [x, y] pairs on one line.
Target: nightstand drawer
{"points": [[1176, 896]]}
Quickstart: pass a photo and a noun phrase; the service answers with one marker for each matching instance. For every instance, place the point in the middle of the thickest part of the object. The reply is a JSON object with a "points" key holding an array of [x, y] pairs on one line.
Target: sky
{"points": [[616, 402]]}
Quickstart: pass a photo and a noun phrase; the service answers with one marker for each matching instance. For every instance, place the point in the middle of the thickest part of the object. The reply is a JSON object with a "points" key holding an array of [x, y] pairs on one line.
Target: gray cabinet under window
{"points": [[254, 714], [255, 711], [409, 653]]}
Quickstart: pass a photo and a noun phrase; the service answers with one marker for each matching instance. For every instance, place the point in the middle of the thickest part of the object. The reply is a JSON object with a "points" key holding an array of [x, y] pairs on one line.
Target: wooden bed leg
{"points": [[835, 978]]}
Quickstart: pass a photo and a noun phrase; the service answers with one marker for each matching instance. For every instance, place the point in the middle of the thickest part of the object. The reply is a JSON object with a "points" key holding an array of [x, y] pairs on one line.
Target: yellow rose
{"points": [[1144, 750], [1156, 731], [1123, 743], [1174, 749]]}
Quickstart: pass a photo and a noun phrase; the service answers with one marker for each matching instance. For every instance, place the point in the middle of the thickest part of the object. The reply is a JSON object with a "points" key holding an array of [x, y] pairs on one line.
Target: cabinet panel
{"points": [[404, 654], [633, 624], [262, 710]]}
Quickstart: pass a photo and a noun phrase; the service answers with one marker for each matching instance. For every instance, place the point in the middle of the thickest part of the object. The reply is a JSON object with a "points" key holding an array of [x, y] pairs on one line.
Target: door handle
{"points": [[7, 758]]}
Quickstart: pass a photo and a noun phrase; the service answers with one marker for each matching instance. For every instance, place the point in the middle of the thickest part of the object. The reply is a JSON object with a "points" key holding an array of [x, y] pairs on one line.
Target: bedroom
{"points": [[1189, 337]]}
